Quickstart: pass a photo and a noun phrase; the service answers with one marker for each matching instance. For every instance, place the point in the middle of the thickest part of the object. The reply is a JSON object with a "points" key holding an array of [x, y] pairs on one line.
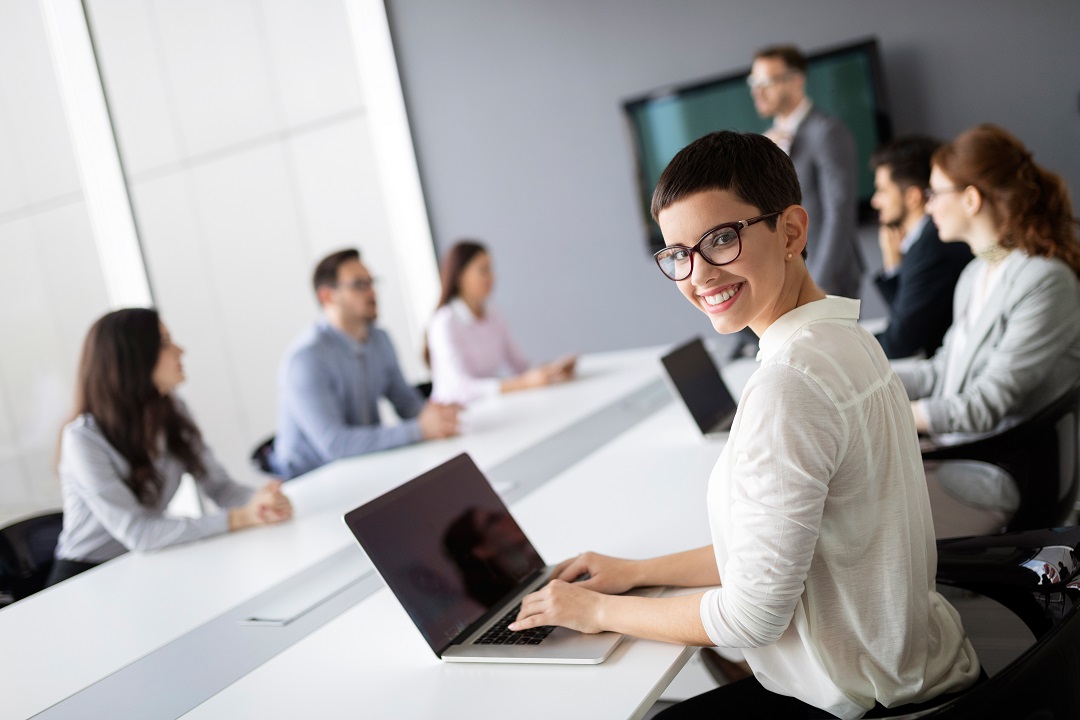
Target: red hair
{"points": [[1030, 203]]}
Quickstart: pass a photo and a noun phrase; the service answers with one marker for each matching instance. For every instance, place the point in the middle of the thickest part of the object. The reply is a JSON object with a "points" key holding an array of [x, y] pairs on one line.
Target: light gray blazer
{"points": [[1023, 353], [823, 152]]}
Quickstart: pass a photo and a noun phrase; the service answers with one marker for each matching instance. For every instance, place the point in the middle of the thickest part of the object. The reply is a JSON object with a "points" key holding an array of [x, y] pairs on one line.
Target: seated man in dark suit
{"points": [[920, 271]]}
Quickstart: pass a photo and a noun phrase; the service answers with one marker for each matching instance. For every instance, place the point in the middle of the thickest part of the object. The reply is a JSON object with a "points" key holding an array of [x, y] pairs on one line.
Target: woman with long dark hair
{"points": [[470, 349], [128, 445], [1014, 345]]}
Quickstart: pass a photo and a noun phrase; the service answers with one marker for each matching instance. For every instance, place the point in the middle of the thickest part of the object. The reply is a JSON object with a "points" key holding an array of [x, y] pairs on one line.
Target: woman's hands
{"points": [[550, 373], [598, 572], [267, 506], [577, 605], [564, 604]]}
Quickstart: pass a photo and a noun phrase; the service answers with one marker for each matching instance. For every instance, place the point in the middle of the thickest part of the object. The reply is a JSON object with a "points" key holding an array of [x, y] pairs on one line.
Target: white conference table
{"points": [[70, 637], [640, 495]]}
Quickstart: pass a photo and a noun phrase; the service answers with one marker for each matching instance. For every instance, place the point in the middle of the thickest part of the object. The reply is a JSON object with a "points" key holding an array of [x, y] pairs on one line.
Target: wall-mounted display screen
{"points": [[845, 82]]}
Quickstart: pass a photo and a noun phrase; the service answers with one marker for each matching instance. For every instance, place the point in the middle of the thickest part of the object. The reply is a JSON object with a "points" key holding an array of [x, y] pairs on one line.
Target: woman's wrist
{"points": [[239, 518]]}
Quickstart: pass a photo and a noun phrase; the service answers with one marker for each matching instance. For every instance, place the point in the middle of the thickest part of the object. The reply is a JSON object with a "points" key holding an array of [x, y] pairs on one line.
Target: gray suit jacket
{"points": [[823, 152], [1023, 352]]}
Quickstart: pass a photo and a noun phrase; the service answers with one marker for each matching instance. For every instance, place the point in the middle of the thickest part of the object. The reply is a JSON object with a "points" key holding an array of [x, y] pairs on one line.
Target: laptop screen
{"points": [[446, 546], [695, 376]]}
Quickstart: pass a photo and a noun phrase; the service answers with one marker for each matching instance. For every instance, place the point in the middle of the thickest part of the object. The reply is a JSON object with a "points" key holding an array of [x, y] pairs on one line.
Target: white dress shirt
{"points": [[783, 129], [822, 529], [469, 355]]}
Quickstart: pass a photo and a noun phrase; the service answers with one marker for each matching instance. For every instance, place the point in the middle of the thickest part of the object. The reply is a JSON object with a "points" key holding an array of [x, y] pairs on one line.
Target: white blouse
{"points": [[822, 529]]}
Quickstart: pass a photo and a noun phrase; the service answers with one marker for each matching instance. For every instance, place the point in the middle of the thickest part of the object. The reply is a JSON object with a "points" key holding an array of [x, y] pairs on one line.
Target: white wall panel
{"points": [[15, 494], [11, 184], [76, 286], [312, 59], [258, 264], [50, 291], [34, 115], [218, 71], [178, 264], [138, 91]]}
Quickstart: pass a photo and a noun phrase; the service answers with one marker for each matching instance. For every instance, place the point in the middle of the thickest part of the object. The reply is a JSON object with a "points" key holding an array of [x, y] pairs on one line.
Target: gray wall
{"points": [[515, 109]]}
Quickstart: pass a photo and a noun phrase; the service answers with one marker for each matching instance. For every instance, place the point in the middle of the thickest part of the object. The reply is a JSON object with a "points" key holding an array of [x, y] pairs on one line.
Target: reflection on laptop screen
{"points": [[698, 381], [446, 546]]}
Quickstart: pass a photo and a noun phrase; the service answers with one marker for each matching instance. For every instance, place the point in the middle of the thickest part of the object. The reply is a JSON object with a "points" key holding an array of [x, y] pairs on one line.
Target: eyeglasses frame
{"points": [[737, 226], [358, 285], [931, 193]]}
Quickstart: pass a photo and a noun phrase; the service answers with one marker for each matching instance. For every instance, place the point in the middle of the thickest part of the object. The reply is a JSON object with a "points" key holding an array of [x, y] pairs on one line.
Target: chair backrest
{"points": [[1041, 454], [1035, 574], [260, 456], [26, 553]]}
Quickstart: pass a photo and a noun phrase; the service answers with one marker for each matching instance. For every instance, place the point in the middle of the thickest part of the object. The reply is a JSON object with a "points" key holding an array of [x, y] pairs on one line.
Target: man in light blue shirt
{"points": [[334, 374]]}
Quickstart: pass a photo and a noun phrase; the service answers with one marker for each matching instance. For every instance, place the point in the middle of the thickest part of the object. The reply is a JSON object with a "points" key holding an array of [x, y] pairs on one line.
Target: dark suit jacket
{"points": [[920, 295], [823, 152]]}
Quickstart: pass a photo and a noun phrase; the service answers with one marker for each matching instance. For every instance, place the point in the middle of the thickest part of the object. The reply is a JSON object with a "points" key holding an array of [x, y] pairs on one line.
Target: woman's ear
{"points": [[973, 200], [792, 224]]}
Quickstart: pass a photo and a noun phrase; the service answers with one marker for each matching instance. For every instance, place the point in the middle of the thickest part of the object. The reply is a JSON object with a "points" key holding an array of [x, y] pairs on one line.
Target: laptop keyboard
{"points": [[499, 634]]}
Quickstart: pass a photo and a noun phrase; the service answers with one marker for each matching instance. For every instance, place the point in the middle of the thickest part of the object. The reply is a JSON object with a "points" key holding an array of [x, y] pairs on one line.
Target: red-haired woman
{"points": [[1014, 345]]}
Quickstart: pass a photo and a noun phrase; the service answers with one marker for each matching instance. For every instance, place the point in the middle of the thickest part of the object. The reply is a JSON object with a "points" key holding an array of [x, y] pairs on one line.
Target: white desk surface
{"points": [[71, 636], [640, 495]]}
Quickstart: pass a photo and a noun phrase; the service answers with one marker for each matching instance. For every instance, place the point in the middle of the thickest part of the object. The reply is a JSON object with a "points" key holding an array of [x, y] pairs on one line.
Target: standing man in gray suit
{"points": [[823, 152]]}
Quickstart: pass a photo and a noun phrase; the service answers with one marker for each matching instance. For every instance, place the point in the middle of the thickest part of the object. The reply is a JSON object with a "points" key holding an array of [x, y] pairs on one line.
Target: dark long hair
{"points": [[1030, 203], [454, 262], [115, 385]]}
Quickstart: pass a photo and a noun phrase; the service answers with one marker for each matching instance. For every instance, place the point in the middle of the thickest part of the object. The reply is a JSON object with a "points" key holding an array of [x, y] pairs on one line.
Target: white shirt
{"points": [[822, 529], [468, 354], [783, 129]]}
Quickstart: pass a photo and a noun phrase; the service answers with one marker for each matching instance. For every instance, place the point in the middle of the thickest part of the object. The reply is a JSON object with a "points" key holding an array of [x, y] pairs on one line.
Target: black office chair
{"points": [[1035, 574], [26, 555], [1041, 455], [260, 456]]}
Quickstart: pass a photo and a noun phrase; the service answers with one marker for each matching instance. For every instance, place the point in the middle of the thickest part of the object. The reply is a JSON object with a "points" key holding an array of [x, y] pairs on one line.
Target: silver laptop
{"points": [[696, 380], [448, 548]]}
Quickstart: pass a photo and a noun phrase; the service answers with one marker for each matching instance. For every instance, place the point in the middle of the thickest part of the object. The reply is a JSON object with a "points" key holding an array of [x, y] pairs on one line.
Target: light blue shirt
{"points": [[328, 387]]}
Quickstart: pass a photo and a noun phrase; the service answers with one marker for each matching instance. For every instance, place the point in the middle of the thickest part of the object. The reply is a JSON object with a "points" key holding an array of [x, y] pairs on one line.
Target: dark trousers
{"points": [[748, 699], [63, 569]]}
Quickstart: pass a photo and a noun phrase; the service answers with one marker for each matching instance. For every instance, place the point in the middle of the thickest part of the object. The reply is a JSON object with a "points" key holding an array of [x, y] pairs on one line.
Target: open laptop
{"points": [[696, 380], [448, 548]]}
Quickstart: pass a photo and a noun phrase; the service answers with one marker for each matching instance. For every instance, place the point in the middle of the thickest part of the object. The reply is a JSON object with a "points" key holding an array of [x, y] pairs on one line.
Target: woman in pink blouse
{"points": [[469, 347]]}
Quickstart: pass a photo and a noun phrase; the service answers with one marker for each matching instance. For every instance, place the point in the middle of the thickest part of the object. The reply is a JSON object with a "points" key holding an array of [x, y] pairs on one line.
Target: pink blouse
{"points": [[470, 355]]}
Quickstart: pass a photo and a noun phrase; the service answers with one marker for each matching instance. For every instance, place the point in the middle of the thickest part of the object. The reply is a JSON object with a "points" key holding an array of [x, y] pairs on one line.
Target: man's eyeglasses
{"points": [[931, 193], [762, 83], [358, 285], [719, 246]]}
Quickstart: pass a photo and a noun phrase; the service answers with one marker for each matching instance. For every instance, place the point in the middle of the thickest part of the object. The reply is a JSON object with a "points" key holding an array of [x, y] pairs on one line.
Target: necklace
{"points": [[993, 254]]}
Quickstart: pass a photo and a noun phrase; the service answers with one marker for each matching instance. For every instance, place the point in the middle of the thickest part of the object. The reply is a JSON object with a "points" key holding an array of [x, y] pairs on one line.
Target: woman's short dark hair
{"points": [[749, 166], [326, 272], [115, 385]]}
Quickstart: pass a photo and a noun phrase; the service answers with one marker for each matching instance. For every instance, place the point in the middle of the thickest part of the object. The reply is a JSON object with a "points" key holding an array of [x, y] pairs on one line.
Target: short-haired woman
{"points": [[822, 541]]}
